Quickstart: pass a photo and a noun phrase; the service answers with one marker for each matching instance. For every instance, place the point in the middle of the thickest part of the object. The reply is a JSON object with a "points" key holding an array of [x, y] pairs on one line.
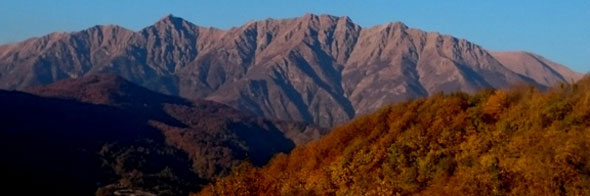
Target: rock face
{"points": [[103, 132], [538, 68], [316, 68]]}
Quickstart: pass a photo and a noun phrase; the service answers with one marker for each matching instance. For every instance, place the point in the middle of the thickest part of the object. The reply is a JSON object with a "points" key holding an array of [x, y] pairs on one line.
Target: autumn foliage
{"points": [[504, 142]]}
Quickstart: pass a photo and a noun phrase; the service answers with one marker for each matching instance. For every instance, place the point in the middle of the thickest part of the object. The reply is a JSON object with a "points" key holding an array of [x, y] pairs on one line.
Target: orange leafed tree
{"points": [[505, 142]]}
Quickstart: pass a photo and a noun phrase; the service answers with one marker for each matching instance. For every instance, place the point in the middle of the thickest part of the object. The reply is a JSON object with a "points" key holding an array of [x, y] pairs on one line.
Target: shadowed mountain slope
{"points": [[101, 132]]}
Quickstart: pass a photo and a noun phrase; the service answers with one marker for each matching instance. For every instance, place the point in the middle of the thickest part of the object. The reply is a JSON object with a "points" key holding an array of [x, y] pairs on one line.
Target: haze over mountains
{"points": [[315, 68]]}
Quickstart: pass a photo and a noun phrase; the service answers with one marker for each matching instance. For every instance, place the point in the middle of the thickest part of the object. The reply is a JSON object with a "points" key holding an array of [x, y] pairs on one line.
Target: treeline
{"points": [[497, 142]]}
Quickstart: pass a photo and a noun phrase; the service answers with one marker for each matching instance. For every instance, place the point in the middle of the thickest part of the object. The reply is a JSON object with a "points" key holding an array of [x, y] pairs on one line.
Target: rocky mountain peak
{"points": [[171, 20], [171, 23], [397, 25], [317, 68]]}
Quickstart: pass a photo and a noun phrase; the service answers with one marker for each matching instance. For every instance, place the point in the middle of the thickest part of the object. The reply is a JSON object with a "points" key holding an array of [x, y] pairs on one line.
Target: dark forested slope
{"points": [[101, 132]]}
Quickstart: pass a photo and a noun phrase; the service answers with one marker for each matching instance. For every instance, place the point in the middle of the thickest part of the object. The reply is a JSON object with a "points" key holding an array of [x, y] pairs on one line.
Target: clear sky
{"points": [[558, 30]]}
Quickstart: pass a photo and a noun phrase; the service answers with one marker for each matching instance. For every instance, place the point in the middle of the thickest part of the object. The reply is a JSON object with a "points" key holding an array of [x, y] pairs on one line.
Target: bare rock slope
{"points": [[316, 68], [538, 68]]}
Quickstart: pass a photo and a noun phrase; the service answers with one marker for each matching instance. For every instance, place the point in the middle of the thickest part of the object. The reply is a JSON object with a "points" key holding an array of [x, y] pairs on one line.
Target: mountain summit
{"points": [[316, 68]]}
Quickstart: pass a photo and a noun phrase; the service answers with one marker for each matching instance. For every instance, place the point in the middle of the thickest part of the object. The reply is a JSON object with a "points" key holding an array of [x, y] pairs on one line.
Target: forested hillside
{"points": [[103, 135], [518, 141]]}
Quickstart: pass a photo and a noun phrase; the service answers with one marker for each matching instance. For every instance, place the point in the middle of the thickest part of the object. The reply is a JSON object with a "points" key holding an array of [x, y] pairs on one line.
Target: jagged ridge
{"points": [[316, 68]]}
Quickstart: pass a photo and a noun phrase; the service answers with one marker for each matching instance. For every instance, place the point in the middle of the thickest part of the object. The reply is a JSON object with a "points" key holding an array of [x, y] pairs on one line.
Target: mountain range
{"points": [[101, 134], [321, 69]]}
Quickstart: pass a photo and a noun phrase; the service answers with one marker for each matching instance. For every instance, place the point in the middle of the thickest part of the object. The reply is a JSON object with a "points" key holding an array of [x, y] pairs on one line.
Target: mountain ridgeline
{"points": [[316, 68]]}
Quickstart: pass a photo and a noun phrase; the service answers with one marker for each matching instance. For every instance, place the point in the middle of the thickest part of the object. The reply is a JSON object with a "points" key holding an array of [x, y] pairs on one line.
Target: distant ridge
{"points": [[316, 68]]}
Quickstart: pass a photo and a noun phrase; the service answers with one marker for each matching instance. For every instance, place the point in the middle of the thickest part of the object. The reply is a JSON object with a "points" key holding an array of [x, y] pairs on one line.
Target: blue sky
{"points": [[558, 30]]}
